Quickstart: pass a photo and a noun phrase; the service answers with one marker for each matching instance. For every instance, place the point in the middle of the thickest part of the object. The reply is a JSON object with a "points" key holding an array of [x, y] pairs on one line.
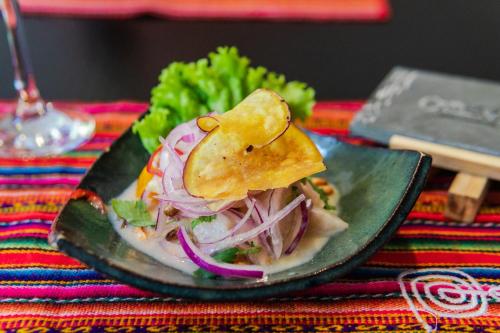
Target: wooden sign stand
{"points": [[469, 186]]}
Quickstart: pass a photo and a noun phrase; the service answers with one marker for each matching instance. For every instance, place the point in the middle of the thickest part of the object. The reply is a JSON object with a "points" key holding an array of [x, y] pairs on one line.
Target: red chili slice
{"points": [[179, 152], [150, 167]]}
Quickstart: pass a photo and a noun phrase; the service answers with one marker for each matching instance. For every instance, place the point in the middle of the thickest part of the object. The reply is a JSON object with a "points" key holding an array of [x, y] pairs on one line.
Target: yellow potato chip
{"points": [[234, 157], [260, 118], [207, 123]]}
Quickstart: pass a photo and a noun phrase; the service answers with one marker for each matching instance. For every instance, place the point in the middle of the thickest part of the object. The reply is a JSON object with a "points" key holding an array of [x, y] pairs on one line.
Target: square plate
{"points": [[378, 188]]}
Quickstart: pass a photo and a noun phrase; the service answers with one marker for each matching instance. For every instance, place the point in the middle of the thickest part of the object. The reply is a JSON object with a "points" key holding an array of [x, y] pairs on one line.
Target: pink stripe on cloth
{"points": [[369, 288], [89, 107], [312, 10], [348, 288], [121, 290], [121, 106], [24, 227]]}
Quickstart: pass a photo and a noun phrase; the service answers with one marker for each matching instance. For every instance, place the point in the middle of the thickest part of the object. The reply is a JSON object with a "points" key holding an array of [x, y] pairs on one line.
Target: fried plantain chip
{"points": [[207, 123], [240, 154], [263, 109]]}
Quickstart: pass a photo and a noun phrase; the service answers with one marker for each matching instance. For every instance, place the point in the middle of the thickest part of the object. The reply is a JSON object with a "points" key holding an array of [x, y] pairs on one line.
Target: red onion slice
{"points": [[175, 162], [187, 135], [274, 231], [302, 229], [188, 138], [209, 264], [240, 238], [258, 219], [183, 197], [262, 216], [276, 241], [241, 223], [173, 188], [187, 132]]}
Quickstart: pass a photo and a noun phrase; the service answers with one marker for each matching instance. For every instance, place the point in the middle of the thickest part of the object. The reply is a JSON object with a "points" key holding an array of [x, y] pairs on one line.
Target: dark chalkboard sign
{"points": [[444, 109], [454, 119]]}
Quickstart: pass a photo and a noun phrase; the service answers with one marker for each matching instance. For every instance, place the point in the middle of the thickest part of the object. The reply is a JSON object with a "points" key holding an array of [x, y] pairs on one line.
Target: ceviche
{"points": [[231, 194]]}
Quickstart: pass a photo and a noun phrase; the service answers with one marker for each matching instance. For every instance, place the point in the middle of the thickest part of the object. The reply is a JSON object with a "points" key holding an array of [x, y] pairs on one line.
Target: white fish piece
{"points": [[211, 231], [324, 223]]}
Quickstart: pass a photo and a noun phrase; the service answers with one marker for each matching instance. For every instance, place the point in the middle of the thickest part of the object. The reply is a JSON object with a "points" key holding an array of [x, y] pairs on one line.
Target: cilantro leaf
{"points": [[134, 212], [227, 256], [201, 219], [251, 250], [216, 83]]}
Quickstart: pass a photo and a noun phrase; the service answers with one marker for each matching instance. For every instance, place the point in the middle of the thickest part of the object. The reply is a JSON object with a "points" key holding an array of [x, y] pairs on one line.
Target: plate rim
{"points": [[326, 274]]}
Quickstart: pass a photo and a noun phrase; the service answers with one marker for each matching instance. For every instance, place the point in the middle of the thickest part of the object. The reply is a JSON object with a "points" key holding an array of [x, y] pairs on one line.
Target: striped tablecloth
{"points": [[42, 290]]}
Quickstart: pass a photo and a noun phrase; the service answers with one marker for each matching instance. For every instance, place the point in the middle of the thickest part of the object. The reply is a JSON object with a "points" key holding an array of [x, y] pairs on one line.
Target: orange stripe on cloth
{"points": [[331, 118], [36, 258], [369, 312], [62, 161], [35, 193], [114, 122], [25, 231]]}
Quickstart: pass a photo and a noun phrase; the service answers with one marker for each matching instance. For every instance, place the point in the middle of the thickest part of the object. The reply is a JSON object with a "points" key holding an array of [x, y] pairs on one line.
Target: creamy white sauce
{"points": [[304, 252], [153, 245]]}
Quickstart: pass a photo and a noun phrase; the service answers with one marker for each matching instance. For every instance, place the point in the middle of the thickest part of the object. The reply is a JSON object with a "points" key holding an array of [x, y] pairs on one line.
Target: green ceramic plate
{"points": [[378, 188]]}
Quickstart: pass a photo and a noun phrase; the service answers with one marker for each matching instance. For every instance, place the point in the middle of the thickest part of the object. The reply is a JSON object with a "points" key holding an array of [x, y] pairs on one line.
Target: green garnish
{"points": [[133, 212], [202, 219], [228, 256], [322, 195], [251, 250], [188, 90]]}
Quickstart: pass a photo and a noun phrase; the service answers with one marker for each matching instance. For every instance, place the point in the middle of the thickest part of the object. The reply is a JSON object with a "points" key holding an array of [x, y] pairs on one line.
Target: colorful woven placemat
{"points": [[301, 10], [42, 290]]}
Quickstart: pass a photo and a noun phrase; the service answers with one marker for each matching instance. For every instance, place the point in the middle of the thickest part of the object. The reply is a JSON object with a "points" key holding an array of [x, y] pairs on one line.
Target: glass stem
{"points": [[30, 103]]}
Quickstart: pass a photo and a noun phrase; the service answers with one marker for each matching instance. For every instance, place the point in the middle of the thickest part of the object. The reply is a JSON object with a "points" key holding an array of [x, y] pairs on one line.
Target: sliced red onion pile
{"points": [[176, 147], [255, 221], [255, 232]]}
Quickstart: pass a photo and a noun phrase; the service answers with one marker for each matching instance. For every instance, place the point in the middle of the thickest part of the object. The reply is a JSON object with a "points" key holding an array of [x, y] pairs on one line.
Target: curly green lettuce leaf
{"points": [[152, 126], [189, 90]]}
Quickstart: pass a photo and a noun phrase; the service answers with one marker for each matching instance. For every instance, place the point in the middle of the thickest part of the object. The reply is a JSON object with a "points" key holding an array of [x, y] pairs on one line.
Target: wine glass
{"points": [[35, 128]]}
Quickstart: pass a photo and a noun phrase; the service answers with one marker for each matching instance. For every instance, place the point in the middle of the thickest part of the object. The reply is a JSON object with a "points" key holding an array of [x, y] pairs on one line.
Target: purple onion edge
{"points": [[303, 226], [181, 234]]}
